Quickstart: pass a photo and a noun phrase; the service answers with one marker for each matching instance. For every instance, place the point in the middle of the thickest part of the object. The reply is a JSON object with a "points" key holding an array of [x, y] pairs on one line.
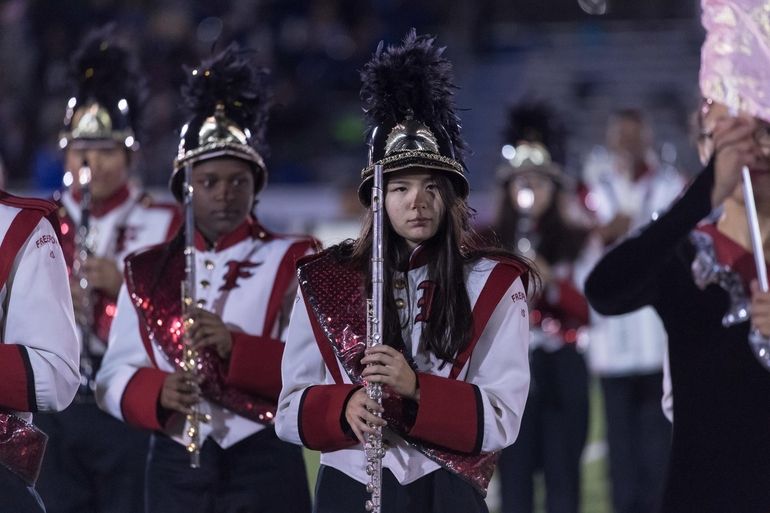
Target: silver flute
{"points": [[759, 344], [83, 250], [373, 446], [753, 220], [190, 354]]}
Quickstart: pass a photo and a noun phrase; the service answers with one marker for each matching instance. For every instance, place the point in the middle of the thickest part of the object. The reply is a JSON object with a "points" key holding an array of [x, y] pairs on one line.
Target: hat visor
{"points": [[176, 181], [414, 161]]}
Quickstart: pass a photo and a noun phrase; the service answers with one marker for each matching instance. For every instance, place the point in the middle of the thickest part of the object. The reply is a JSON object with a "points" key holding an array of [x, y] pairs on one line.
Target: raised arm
{"points": [[625, 279]]}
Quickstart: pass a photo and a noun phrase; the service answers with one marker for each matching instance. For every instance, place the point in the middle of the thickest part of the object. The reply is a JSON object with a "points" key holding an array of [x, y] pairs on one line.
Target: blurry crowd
{"points": [[314, 50]]}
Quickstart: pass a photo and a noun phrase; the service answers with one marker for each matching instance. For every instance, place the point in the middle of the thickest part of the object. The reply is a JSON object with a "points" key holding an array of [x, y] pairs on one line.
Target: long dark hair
{"points": [[559, 240], [455, 244]]}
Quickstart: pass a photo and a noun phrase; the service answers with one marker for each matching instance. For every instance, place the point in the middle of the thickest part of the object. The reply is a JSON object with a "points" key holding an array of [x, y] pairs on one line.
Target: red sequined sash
{"points": [[338, 302], [22, 446], [157, 298]]}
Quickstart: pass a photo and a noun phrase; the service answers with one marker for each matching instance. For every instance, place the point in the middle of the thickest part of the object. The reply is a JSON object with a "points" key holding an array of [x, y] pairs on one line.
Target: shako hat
{"points": [[227, 102], [408, 101], [109, 91]]}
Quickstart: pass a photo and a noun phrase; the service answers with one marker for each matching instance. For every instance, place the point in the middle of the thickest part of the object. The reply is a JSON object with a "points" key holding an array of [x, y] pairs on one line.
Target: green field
{"points": [[595, 492]]}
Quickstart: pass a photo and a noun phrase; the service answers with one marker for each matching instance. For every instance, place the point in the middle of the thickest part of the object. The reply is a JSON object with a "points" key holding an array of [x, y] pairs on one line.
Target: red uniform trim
{"points": [[17, 379], [141, 398], [327, 353], [498, 282], [283, 278], [44, 206], [248, 228], [17, 234], [255, 365], [730, 253], [450, 414], [104, 207], [573, 303], [321, 411]]}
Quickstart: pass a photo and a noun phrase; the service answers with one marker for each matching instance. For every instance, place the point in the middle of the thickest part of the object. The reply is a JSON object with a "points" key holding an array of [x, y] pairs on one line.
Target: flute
{"points": [[373, 446], [190, 355]]}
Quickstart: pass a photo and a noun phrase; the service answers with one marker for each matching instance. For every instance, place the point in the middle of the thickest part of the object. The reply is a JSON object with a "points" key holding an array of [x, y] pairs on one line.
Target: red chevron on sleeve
{"points": [[22, 225], [283, 278], [498, 282]]}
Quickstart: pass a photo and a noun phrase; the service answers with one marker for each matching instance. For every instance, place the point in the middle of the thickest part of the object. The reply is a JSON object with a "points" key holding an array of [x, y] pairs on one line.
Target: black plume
{"points": [[413, 78], [105, 71], [231, 79], [535, 121]]}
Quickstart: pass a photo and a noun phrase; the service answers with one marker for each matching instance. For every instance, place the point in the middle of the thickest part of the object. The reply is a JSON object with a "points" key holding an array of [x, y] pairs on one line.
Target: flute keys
{"points": [[369, 506]]}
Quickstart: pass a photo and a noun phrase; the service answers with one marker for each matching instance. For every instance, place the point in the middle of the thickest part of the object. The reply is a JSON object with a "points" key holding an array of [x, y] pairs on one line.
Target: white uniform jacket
{"points": [[247, 279], [126, 222], [38, 350], [473, 407], [633, 343]]}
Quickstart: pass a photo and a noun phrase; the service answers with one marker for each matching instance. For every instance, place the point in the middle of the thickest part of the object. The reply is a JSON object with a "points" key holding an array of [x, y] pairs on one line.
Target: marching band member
{"points": [[629, 187], [698, 277], [454, 360], [38, 354], [103, 218], [244, 285], [537, 217]]}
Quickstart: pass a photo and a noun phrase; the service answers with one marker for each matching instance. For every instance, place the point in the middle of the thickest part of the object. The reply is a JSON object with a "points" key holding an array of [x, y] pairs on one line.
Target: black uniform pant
{"points": [[260, 474], [93, 463], [639, 438], [16, 496], [552, 435], [438, 492]]}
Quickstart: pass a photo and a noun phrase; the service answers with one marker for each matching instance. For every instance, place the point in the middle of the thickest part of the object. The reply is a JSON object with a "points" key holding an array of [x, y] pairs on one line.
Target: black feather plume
{"points": [[233, 80], [105, 71], [412, 78], [536, 121]]}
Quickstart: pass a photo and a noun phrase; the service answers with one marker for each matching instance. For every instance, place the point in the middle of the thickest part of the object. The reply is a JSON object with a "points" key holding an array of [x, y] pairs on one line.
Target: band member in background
{"points": [[456, 331], [628, 188], [103, 218], [38, 344], [700, 278], [245, 283], [537, 218]]}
